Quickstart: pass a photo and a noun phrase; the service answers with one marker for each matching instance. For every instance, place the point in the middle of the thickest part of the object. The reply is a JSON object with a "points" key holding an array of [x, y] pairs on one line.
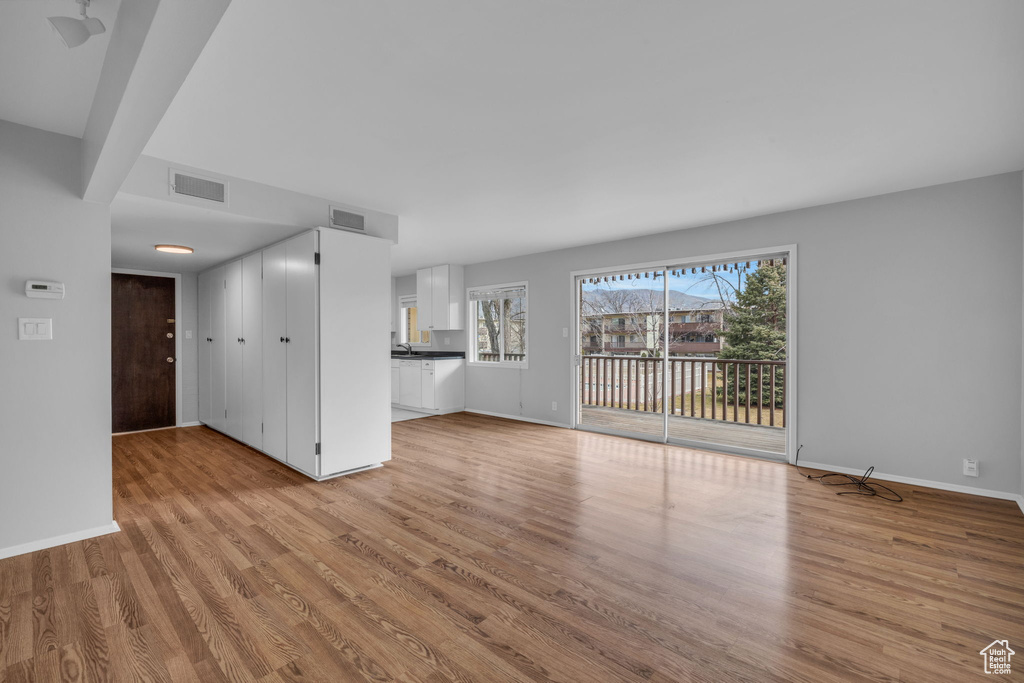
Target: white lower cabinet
{"points": [[409, 383], [434, 385], [395, 381], [286, 368]]}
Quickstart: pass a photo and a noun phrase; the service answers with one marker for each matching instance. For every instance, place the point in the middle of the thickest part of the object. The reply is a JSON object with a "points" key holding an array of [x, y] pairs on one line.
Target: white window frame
{"points": [[472, 331], [403, 331]]}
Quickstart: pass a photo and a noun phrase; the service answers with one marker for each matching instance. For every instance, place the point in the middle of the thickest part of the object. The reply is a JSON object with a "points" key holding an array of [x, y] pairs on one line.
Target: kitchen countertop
{"points": [[429, 355]]}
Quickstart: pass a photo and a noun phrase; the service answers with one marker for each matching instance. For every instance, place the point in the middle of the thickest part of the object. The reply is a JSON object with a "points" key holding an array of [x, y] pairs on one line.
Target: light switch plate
{"points": [[35, 329]]}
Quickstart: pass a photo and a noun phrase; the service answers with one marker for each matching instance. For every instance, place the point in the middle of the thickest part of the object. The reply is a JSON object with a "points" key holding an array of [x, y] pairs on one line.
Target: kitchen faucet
{"points": [[407, 347]]}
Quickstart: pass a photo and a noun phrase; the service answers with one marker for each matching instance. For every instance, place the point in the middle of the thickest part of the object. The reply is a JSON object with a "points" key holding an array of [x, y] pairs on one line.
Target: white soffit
{"points": [[502, 128]]}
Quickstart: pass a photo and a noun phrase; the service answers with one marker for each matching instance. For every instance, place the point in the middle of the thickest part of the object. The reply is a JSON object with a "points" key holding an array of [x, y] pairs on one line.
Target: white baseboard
{"points": [[987, 493], [197, 423], [1020, 502], [55, 541], [520, 418]]}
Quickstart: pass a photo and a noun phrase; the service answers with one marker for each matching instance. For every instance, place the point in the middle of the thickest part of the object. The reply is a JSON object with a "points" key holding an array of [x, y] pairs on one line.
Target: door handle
{"points": [[169, 359], [282, 340], [287, 340]]}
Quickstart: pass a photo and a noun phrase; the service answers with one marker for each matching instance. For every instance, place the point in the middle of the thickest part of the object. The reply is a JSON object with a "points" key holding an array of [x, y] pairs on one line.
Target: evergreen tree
{"points": [[756, 330]]}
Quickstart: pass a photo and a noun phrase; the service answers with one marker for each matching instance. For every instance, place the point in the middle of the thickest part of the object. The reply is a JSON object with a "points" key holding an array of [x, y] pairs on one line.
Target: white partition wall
{"points": [[286, 366], [355, 358]]}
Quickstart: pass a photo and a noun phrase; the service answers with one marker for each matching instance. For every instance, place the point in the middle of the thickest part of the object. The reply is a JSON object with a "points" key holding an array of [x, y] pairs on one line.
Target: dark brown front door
{"points": [[142, 339]]}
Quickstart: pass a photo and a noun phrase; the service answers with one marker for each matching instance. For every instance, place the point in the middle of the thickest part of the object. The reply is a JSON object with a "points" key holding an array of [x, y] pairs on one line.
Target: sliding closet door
{"points": [[252, 351], [218, 351], [275, 351], [204, 344], [233, 331], [302, 352]]}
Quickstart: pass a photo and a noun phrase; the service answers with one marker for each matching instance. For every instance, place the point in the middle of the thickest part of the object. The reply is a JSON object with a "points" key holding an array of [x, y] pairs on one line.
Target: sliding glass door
{"points": [[692, 353]]}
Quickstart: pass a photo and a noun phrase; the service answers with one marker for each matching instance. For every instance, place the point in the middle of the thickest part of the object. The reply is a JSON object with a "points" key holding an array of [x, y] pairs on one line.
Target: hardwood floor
{"points": [[491, 550]]}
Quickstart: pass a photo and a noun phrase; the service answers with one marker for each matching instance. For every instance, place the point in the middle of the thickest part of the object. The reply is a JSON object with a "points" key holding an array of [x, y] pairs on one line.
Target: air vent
{"points": [[346, 220], [198, 187]]}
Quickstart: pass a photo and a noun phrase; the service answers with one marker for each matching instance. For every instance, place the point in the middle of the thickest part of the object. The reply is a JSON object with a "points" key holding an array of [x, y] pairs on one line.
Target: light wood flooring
{"points": [[491, 550]]}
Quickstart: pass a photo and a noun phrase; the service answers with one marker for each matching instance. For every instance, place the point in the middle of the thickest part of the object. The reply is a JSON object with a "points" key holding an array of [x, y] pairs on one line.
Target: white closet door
{"points": [[233, 333], [275, 352], [302, 353], [252, 351], [218, 350], [203, 344]]}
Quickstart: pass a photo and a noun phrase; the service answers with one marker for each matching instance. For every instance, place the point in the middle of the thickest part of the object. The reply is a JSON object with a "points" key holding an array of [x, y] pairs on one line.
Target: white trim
{"points": [[197, 423], [54, 541], [178, 347], [1020, 503], [792, 315], [519, 418], [914, 481], [471, 331]]}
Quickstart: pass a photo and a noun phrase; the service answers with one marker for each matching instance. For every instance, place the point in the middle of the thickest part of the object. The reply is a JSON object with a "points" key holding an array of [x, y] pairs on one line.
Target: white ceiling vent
{"points": [[346, 220], [187, 184]]}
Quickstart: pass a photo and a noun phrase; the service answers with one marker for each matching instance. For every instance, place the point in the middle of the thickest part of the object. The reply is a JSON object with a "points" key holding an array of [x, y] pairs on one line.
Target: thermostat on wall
{"points": [[39, 289]]}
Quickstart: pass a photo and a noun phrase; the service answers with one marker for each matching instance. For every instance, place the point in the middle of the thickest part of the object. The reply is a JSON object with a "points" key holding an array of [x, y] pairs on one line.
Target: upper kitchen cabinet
{"points": [[439, 298]]}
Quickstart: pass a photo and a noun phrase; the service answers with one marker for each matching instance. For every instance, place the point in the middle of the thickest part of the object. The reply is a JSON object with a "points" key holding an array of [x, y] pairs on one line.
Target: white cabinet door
{"points": [[203, 344], [302, 337], [410, 384], [395, 384], [251, 413], [439, 298], [428, 399], [218, 352], [233, 333], [275, 352], [424, 299]]}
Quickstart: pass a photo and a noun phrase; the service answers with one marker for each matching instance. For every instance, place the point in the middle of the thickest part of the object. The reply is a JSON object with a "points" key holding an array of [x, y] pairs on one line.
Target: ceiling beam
{"points": [[153, 46]]}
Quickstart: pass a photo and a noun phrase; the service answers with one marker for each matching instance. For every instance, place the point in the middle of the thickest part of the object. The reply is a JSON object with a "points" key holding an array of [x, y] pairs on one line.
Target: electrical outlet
{"points": [[188, 334], [565, 331], [970, 467], [554, 405], [447, 341]]}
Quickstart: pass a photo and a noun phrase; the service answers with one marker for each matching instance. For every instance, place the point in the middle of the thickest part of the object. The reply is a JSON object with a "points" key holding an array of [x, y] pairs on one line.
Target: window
{"points": [[407, 333], [499, 319]]}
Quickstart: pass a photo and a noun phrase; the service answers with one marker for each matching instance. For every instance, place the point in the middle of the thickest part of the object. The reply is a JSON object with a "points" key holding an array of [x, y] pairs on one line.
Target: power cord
{"points": [[863, 487]]}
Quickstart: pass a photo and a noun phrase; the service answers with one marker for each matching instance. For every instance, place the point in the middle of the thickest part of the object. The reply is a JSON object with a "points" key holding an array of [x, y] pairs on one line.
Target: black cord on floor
{"points": [[863, 487]]}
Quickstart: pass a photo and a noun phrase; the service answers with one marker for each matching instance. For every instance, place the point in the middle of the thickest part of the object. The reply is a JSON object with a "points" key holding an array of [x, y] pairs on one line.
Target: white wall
{"points": [[914, 285], [407, 285], [55, 466]]}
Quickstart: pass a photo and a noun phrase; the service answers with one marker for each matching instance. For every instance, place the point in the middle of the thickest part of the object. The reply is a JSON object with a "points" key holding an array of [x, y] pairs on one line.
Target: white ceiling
{"points": [[42, 83], [138, 224], [495, 128]]}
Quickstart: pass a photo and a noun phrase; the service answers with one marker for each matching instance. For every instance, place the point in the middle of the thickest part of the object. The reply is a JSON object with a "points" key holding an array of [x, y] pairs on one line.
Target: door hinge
{"points": [[316, 258], [318, 448]]}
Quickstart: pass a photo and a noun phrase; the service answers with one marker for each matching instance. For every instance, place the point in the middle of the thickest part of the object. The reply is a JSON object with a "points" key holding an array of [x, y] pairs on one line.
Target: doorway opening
{"points": [[145, 349], [696, 352]]}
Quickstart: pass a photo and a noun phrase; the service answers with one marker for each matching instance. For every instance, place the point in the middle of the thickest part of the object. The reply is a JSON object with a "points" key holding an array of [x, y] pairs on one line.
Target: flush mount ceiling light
{"points": [[174, 249], [73, 32]]}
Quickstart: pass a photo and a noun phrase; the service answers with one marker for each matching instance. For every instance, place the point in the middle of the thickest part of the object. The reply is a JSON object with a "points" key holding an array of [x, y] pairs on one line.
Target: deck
{"points": [[771, 439]]}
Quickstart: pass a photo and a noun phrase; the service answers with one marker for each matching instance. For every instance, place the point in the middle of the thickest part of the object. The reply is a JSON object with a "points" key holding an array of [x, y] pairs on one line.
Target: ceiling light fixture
{"points": [[73, 32], [174, 249]]}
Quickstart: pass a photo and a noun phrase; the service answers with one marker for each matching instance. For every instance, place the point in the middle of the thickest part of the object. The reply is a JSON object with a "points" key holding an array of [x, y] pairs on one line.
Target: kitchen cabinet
{"points": [[409, 383], [395, 382], [204, 344], [439, 298], [431, 385], [297, 384]]}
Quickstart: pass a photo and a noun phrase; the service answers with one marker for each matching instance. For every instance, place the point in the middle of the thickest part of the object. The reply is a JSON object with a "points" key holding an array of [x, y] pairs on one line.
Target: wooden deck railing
{"points": [[747, 391], [494, 357]]}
